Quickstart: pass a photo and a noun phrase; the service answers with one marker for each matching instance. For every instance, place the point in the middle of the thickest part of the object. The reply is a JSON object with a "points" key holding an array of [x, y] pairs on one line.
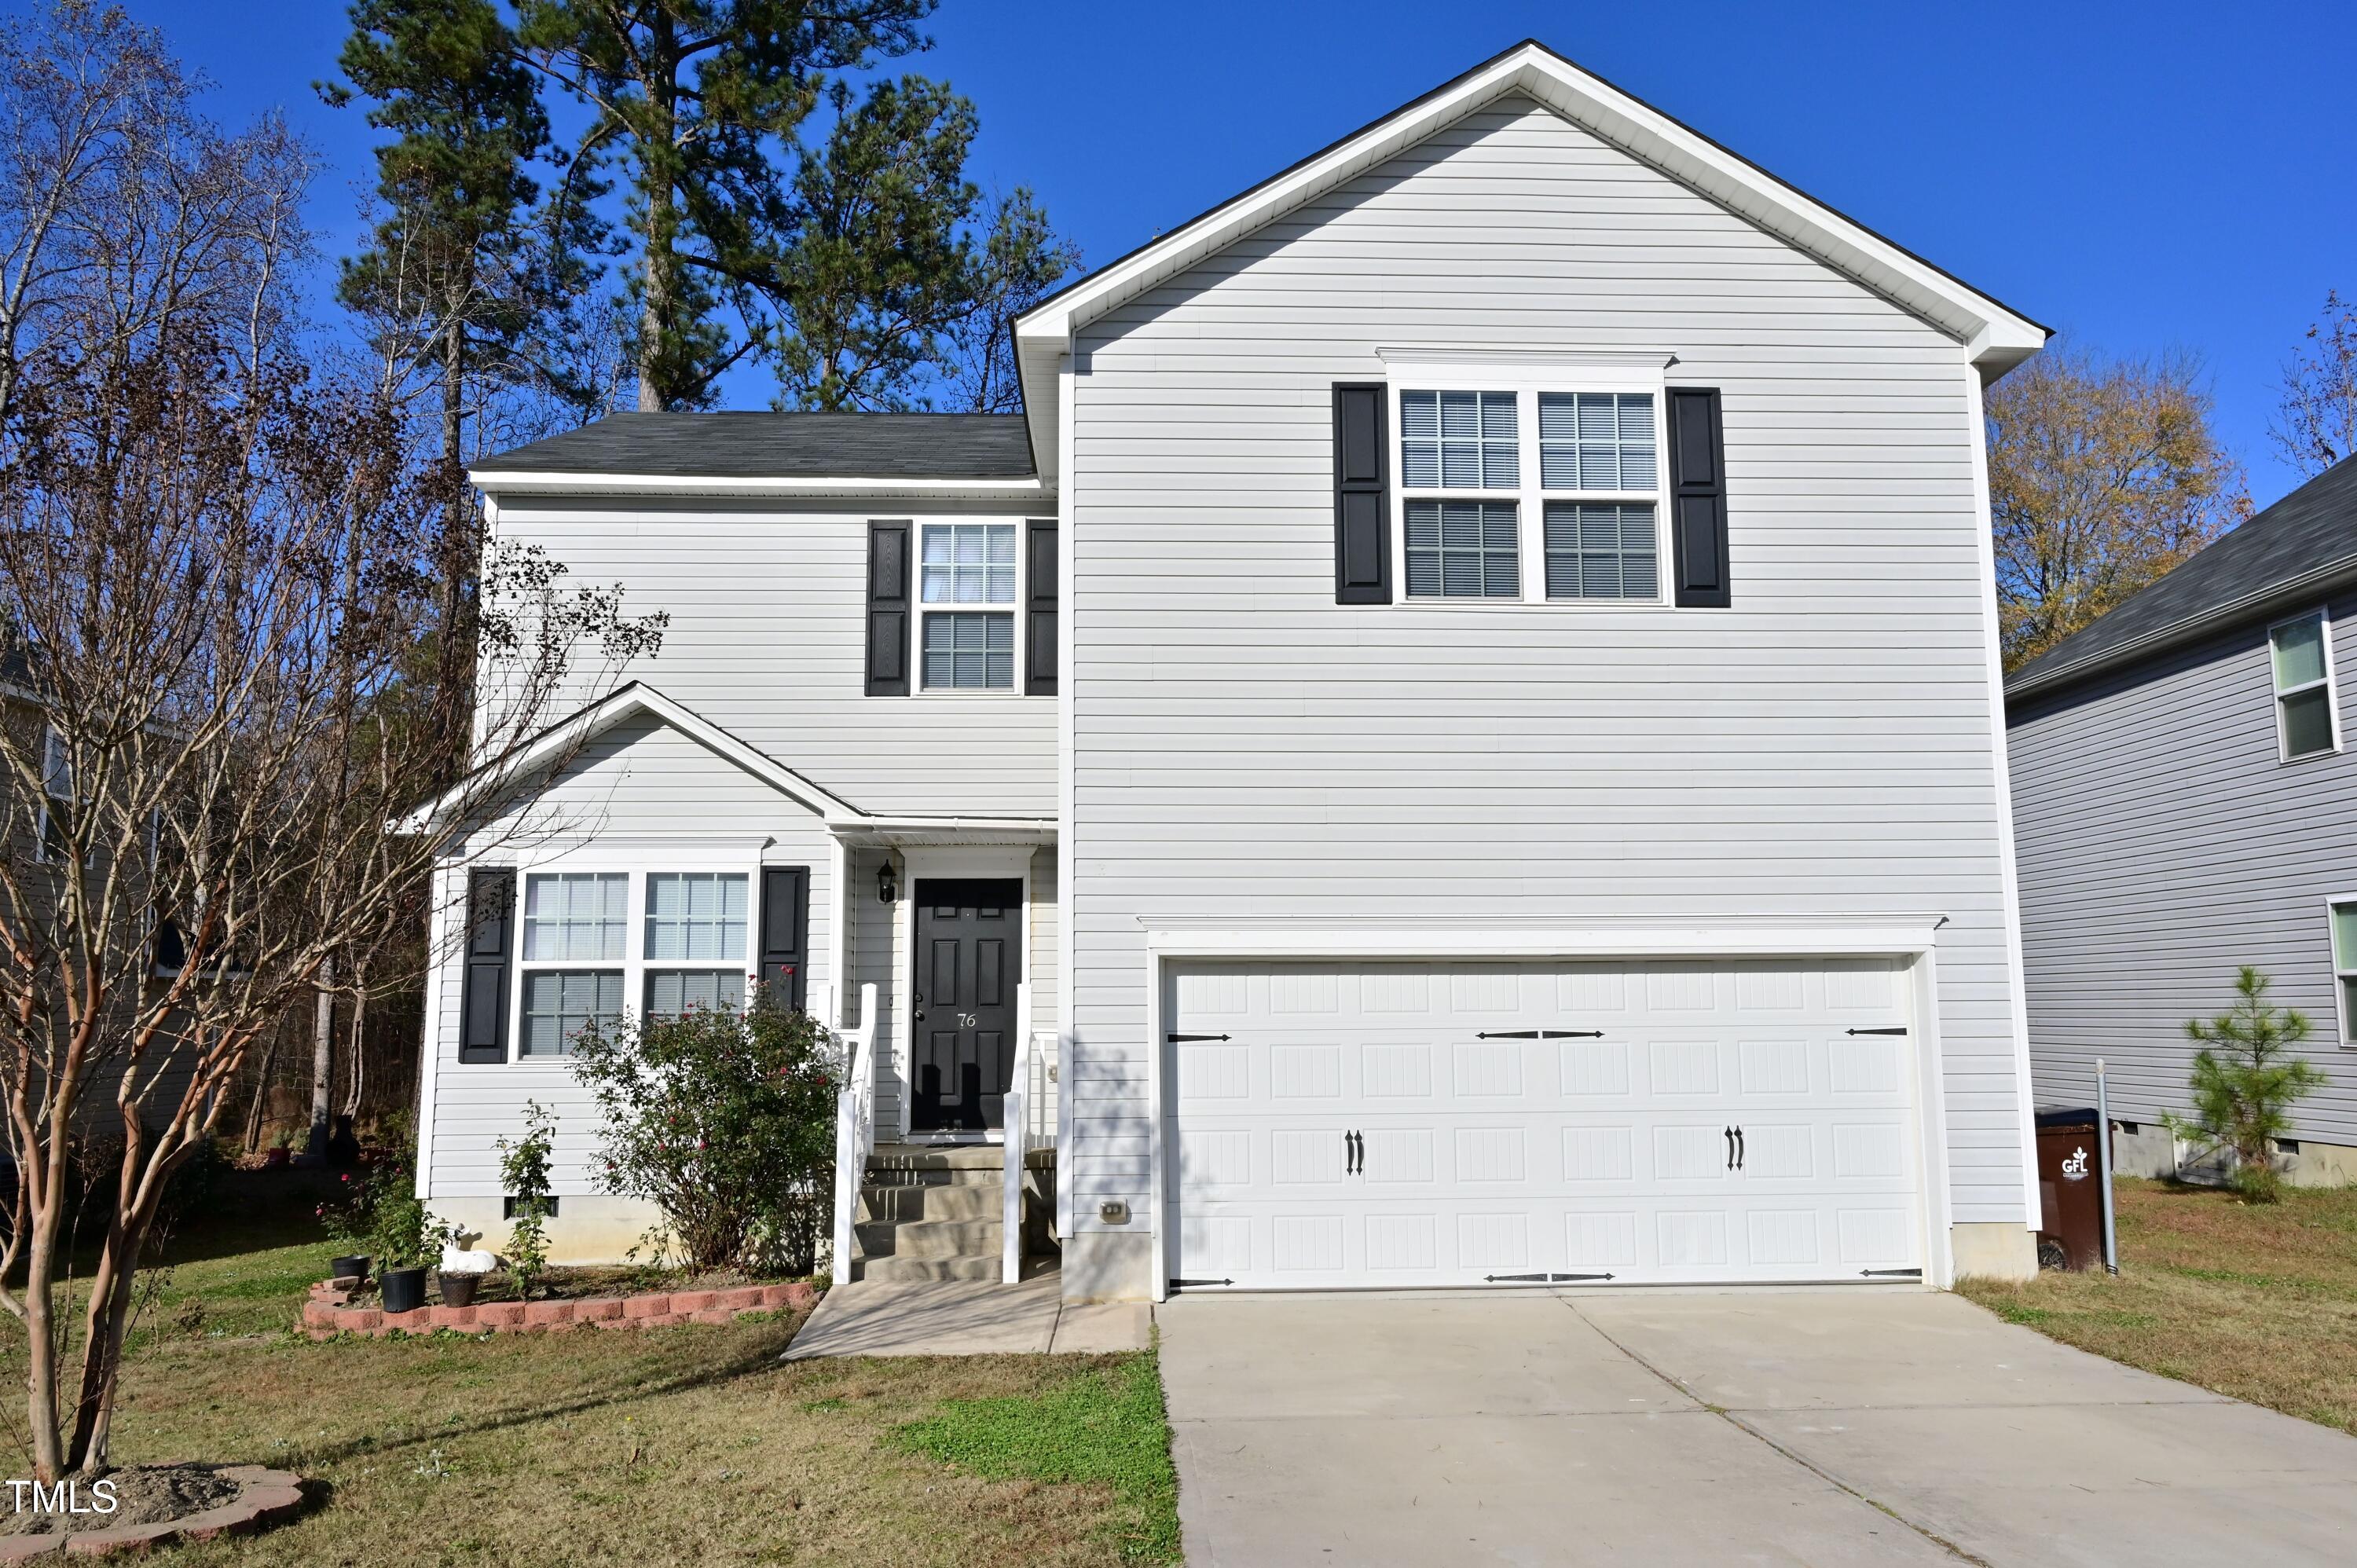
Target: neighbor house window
{"points": [[694, 916], [2302, 654], [2344, 967], [1473, 507], [57, 784], [572, 919], [963, 565]]}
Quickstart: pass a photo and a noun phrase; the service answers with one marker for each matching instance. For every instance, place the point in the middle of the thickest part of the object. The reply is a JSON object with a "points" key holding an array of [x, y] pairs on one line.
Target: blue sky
{"points": [[2147, 176]]}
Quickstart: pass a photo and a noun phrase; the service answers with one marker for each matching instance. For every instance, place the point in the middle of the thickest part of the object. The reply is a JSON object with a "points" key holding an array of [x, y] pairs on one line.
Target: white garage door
{"points": [[1342, 1125]]}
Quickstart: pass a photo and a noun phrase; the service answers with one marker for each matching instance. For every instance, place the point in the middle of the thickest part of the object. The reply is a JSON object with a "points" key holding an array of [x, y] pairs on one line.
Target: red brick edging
{"points": [[268, 1497], [327, 1314]]}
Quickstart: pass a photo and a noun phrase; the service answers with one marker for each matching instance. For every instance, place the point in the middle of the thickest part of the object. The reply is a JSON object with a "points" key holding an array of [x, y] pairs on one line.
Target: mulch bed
{"points": [[155, 1505]]}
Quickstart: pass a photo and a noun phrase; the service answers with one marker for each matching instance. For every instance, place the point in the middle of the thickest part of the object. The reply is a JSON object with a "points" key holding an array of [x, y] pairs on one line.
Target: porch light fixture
{"points": [[888, 886]]}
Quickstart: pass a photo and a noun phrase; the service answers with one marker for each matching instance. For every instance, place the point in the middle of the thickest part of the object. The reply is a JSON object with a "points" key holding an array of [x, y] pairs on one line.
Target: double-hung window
{"points": [[576, 934], [1480, 519], [2344, 966], [694, 942], [2307, 720], [965, 571], [57, 784]]}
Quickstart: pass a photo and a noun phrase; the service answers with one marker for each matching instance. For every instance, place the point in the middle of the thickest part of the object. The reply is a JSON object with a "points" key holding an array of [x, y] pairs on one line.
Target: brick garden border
{"points": [[328, 1312], [267, 1497]]}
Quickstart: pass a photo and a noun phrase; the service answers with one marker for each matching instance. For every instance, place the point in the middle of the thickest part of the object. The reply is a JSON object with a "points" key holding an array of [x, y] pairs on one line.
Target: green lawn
{"points": [[687, 1446], [2258, 1301]]}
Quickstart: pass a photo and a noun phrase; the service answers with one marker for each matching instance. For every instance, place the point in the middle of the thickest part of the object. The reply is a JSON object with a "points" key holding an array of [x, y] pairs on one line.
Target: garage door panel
{"points": [[1480, 1157]]}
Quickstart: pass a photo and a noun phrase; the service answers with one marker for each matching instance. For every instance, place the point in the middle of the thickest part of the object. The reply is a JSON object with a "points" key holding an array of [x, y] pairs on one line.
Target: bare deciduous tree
{"points": [[218, 687], [2103, 475], [2316, 425]]}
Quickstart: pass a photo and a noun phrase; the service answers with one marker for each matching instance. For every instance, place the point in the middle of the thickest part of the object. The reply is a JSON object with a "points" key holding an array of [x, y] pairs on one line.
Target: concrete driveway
{"points": [[1800, 1427]]}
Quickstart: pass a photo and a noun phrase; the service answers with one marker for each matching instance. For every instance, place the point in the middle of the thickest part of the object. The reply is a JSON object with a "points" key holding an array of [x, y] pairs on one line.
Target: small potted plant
{"points": [[462, 1271], [401, 1241]]}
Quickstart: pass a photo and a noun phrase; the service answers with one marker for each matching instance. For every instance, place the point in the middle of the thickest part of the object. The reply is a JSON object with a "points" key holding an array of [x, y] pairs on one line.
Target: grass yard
{"points": [[2258, 1301], [679, 1445]]}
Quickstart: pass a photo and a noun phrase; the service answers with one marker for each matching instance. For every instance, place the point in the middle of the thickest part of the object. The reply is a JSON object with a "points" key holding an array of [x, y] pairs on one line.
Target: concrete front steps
{"points": [[933, 1211]]}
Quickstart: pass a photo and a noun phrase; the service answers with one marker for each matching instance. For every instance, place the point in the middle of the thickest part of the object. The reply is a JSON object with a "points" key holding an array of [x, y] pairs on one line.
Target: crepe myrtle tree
{"points": [[217, 688]]}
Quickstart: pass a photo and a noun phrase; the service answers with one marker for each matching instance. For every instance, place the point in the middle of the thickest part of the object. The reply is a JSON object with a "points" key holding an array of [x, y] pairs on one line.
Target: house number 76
{"points": [[967, 1020]]}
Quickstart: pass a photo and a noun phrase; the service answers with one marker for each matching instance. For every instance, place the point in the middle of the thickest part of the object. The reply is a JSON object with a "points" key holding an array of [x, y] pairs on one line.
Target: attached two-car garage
{"points": [[1337, 1124]]}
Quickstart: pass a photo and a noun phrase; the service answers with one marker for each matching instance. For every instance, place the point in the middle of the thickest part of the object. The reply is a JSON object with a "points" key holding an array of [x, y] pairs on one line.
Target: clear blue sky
{"points": [[2146, 175]]}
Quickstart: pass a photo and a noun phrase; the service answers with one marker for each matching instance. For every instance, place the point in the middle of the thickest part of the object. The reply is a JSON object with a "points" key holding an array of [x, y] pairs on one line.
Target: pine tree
{"points": [[2246, 1077]]}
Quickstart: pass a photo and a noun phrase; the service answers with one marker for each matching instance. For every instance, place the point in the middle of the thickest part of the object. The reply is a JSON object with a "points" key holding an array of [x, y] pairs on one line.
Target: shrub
{"points": [[525, 1173], [726, 1122], [2246, 1077], [378, 1210]]}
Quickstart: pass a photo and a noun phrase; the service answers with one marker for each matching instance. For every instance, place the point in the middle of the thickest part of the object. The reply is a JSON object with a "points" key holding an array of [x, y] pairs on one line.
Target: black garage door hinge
{"points": [[1541, 1034], [1890, 1273], [1184, 1039], [1877, 1031], [1182, 1284], [1540, 1279]]}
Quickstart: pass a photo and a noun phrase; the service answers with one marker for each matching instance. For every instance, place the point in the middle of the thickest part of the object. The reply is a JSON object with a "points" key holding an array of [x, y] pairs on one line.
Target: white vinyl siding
{"points": [[1244, 748], [2306, 714]]}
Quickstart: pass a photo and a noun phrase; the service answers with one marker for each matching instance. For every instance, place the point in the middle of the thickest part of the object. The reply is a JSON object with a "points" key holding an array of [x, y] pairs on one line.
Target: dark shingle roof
{"points": [[783, 446], [2303, 544]]}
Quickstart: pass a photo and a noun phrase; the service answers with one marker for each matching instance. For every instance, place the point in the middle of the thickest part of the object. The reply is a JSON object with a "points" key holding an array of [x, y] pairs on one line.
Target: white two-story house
{"points": [[1457, 742]]}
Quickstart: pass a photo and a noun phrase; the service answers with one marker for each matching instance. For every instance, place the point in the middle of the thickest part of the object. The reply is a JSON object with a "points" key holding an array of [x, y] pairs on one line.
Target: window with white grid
{"points": [[1527, 467], [964, 565], [695, 915], [572, 916]]}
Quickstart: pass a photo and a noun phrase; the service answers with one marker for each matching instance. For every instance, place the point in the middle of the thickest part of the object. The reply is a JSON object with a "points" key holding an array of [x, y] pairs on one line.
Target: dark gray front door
{"points": [[969, 956]]}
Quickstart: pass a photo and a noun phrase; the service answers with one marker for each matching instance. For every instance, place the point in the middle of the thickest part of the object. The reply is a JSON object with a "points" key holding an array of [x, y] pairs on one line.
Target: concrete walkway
{"points": [[876, 1317], [1817, 1427]]}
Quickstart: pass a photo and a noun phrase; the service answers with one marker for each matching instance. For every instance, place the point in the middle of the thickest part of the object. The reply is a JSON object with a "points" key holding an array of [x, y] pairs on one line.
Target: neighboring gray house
{"points": [[2185, 804], [1457, 741]]}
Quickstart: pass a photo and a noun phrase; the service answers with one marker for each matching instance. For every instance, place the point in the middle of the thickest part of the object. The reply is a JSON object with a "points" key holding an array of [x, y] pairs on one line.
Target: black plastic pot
{"points": [[458, 1289], [354, 1267], [404, 1289]]}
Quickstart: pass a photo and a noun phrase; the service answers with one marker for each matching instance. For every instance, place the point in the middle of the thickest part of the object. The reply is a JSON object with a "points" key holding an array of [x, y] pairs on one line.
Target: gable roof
{"points": [[1996, 336], [837, 452], [2304, 545], [564, 738]]}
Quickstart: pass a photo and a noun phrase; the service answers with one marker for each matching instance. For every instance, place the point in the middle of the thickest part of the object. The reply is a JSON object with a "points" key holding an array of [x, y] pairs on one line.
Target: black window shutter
{"points": [[491, 942], [785, 932], [1698, 497], [1362, 494], [887, 609], [1039, 609]]}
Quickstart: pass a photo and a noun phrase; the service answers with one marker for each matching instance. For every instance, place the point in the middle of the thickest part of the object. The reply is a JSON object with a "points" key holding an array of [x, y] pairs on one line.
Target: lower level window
{"points": [[2344, 966], [671, 992], [969, 652], [559, 1004], [1602, 552], [1462, 550]]}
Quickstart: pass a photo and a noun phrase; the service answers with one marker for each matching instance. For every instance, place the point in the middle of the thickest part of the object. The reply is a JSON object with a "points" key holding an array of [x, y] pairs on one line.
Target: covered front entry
{"points": [[968, 962], [1342, 1125]]}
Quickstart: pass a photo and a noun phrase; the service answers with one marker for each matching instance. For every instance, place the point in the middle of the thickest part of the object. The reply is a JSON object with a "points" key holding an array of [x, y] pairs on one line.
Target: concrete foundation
{"points": [[1108, 1265], [2148, 1149], [587, 1227], [1994, 1251]]}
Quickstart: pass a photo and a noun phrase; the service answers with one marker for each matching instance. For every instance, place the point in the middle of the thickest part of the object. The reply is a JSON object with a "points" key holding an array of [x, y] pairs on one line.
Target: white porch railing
{"points": [[855, 1127], [1015, 1116]]}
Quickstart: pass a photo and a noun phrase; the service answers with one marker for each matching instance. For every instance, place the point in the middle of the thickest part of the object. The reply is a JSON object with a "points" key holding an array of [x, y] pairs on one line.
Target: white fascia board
{"points": [[1993, 336], [586, 723], [1423, 937], [494, 482]]}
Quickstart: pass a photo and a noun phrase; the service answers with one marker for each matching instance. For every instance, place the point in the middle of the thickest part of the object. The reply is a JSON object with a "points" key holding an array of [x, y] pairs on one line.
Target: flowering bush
{"points": [[726, 1122], [524, 1171]]}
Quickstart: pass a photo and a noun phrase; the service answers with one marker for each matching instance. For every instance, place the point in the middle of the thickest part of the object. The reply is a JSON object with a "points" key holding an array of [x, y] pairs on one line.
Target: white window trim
{"points": [[53, 746], [1014, 612], [2332, 902], [2276, 693], [637, 866], [1529, 496]]}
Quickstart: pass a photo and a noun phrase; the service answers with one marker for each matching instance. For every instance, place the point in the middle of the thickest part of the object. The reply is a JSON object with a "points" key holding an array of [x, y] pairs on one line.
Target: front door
{"points": [[969, 957]]}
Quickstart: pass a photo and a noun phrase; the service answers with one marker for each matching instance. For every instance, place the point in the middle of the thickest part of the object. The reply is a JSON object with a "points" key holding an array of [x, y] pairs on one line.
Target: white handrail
{"points": [[855, 1128], [1015, 1119]]}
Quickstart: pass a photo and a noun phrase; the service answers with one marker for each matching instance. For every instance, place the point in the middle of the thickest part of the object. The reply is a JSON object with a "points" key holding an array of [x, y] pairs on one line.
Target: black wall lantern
{"points": [[887, 885]]}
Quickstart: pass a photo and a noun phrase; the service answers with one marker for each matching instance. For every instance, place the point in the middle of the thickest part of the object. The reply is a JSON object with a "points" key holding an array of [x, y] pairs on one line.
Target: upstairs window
{"points": [[2307, 723], [965, 565], [1587, 513]]}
